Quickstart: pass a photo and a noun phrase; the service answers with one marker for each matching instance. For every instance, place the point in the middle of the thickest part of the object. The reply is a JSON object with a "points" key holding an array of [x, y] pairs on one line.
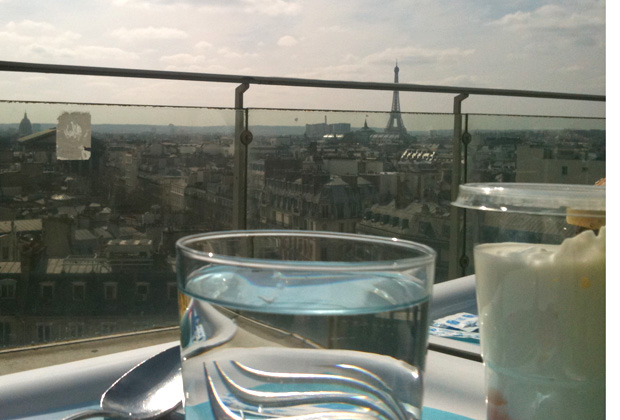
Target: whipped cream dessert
{"points": [[542, 323]]}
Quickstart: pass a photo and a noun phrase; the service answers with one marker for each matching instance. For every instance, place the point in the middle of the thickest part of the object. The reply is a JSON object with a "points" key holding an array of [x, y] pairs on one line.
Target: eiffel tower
{"points": [[395, 124]]}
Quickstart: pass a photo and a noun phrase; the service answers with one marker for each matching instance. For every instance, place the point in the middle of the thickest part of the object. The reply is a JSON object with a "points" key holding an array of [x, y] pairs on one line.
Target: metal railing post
{"points": [[240, 167], [455, 231]]}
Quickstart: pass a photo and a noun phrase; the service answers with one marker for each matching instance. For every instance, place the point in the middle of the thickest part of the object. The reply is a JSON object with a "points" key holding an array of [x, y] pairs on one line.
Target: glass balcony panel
{"points": [[92, 200], [87, 231], [562, 150], [358, 172]]}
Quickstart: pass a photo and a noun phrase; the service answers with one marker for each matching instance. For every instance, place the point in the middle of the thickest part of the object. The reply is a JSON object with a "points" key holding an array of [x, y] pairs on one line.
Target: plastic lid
{"points": [[532, 198]]}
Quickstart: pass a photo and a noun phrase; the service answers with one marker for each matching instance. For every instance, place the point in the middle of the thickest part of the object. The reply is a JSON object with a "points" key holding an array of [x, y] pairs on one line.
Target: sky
{"points": [[556, 45]]}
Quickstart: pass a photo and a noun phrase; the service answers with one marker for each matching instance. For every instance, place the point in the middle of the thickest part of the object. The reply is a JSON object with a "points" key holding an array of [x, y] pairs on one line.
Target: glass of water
{"points": [[302, 324]]}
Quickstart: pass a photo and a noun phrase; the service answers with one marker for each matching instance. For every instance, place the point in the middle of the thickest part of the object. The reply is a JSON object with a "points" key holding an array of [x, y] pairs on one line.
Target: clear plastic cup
{"points": [[302, 324], [539, 257]]}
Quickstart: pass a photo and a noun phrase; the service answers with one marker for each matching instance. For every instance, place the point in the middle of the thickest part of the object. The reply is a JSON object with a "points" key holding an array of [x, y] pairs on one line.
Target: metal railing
{"points": [[243, 137], [283, 81]]}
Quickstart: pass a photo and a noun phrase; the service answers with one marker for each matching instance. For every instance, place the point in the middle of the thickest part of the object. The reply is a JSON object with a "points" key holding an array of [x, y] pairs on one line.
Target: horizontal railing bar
{"points": [[283, 81], [78, 341]]}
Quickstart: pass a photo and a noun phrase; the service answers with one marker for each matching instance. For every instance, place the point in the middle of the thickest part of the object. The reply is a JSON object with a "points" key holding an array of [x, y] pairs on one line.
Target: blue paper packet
{"points": [[462, 325]]}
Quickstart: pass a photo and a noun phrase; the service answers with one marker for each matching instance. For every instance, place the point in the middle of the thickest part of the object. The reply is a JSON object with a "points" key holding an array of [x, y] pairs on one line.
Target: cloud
{"points": [[417, 55], [42, 79], [147, 33], [148, 4], [169, 3], [85, 53], [460, 80], [551, 16], [586, 25], [100, 53], [203, 45], [29, 30], [555, 34], [287, 41], [226, 52], [183, 59], [13, 39], [30, 25], [332, 29], [272, 7], [415, 63], [42, 41], [357, 71], [264, 7]]}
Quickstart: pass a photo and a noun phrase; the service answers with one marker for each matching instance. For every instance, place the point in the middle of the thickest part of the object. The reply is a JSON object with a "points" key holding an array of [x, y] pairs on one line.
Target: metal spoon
{"points": [[151, 389]]}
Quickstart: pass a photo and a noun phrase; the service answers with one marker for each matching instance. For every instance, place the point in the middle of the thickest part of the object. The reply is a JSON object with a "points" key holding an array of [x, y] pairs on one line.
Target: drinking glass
{"points": [[303, 324]]}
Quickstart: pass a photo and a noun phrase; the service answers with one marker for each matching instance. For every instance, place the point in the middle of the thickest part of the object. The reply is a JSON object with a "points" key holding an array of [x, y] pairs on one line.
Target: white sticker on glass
{"points": [[73, 136]]}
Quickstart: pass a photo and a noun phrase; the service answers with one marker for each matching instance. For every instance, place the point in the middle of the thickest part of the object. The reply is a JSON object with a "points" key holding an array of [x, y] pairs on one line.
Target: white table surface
{"points": [[451, 384], [449, 298]]}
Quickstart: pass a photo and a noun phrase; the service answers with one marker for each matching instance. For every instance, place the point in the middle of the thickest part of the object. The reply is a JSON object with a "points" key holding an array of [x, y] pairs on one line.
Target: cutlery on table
{"points": [[151, 389]]}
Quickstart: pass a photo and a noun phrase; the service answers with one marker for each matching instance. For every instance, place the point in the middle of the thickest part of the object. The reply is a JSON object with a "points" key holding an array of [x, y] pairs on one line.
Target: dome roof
{"points": [[25, 127]]}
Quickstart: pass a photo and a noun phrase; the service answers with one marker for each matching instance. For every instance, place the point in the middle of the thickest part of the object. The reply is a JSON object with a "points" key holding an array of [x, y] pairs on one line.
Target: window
{"points": [[108, 328], [76, 329], [79, 291], [142, 291], [172, 291], [425, 228], [340, 211], [46, 290], [7, 288], [564, 170], [324, 255], [5, 333], [109, 290], [44, 332]]}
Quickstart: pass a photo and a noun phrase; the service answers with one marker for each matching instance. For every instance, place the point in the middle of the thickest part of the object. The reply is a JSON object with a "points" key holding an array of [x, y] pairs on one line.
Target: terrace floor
{"points": [[33, 357]]}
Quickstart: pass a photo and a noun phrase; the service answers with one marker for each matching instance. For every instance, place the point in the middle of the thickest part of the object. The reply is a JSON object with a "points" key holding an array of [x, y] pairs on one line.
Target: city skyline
{"points": [[87, 245], [160, 118], [558, 46]]}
